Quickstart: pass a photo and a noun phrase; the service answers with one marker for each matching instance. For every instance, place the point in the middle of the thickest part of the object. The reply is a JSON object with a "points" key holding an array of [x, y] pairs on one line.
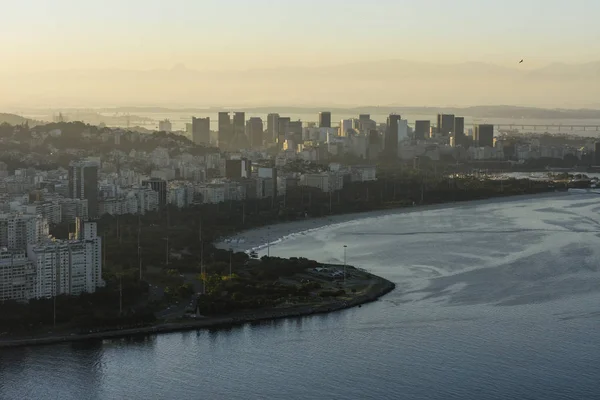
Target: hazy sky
{"points": [[238, 34]]}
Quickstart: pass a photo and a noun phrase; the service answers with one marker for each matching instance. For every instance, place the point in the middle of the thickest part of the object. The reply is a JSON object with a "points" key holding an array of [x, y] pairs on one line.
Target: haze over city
{"points": [[299, 199], [213, 53]]}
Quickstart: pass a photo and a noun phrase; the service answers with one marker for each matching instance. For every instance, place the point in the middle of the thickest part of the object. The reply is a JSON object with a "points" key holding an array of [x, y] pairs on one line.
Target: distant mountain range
{"points": [[382, 83], [120, 115], [498, 111]]}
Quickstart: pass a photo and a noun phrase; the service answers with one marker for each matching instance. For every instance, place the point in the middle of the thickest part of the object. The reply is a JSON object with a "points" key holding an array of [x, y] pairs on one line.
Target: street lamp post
{"points": [[345, 247], [268, 241], [230, 257]]}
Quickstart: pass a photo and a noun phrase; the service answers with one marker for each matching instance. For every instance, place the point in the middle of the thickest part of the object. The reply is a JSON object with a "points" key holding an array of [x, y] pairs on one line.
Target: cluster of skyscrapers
{"points": [[233, 130], [235, 133], [454, 127]]}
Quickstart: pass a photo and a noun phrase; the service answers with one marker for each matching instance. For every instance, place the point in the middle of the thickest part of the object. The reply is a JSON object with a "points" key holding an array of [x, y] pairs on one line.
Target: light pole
{"points": [[230, 257], [345, 247], [268, 241]]}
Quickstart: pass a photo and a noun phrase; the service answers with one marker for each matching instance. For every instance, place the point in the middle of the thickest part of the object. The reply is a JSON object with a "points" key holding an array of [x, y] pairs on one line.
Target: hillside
{"points": [[14, 119]]}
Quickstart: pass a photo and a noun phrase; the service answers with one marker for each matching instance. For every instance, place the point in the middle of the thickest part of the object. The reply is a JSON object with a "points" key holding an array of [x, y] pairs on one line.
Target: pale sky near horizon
{"points": [[238, 34]]}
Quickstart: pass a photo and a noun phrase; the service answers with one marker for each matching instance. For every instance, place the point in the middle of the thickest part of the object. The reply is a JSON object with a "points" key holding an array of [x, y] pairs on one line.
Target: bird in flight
{"points": [[521, 62]]}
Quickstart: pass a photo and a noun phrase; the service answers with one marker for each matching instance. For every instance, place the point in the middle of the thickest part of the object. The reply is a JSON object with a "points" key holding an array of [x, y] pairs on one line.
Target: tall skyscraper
{"points": [[255, 131], [272, 127], [459, 132], [83, 184], [283, 130], [364, 124], [86, 232], [374, 145], [445, 124], [345, 126], [325, 119], [459, 126], [159, 186], [295, 132], [390, 140], [225, 130], [422, 129], [201, 130], [483, 135], [239, 131]]}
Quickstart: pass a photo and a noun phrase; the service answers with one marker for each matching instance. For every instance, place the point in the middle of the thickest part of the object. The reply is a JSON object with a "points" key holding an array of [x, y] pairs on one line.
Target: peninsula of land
{"points": [[262, 291]]}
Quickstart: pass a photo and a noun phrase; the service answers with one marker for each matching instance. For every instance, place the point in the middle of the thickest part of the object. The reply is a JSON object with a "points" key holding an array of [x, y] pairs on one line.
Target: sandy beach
{"points": [[259, 238]]}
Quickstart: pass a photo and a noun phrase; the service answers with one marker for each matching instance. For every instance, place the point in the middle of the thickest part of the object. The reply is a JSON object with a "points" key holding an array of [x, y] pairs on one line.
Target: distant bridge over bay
{"points": [[547, 127]]}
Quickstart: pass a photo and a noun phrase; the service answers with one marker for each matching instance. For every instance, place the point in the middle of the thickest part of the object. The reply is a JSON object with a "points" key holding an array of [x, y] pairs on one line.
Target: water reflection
{"points": [[270, 323], [140, 340]]}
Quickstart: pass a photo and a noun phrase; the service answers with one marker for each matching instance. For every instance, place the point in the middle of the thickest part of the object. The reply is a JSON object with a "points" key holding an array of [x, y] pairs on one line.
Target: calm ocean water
{"points": [[494, 301]]}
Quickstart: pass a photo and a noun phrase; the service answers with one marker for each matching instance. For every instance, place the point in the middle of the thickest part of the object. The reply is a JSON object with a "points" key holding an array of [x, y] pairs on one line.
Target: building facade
{"points": [[17, 275], [255, 132], [18, 230], [272, 127], [160, 187], [201, 130], [483, 135], [390, 139], [325, 119], [83, 184], [445, 124], [225, 129], [422, 129]]}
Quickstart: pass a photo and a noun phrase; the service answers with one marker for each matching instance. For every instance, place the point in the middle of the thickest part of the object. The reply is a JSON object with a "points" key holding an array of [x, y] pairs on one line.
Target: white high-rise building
{"points": [[17, 275], [17, 230], [70, 266]]}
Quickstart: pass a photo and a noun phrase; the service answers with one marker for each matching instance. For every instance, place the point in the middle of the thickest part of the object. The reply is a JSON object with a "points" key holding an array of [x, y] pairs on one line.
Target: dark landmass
{"points": [[18, 150], [265, 289], [14, 119]]}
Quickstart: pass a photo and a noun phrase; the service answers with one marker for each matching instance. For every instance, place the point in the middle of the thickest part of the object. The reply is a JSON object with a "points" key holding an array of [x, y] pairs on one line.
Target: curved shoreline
{"points": [[258, 238], [281, 231], [382, 288]]}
